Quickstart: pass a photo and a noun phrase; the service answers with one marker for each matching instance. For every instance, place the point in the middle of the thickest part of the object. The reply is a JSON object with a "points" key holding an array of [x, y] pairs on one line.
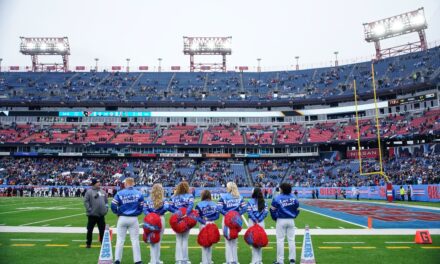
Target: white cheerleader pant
{"points": [[131, 224], [155, 248], [285, 227], [257, 253], [230, 248]]}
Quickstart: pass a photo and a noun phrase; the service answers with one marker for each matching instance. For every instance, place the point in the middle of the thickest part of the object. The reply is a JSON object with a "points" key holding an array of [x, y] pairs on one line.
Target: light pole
{"points": [[1, 59], [128, 64], [259, 66], [159, 69], [336, 58], [297, 65], [96, 64]]}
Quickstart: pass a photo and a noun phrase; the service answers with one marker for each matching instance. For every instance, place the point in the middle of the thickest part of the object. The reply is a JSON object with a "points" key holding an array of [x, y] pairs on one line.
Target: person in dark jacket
{"points": [[96, 204]]}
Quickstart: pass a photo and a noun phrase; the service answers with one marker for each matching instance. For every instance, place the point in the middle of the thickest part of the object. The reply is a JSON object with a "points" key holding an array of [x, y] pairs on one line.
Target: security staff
{"points": [[96, 204]]}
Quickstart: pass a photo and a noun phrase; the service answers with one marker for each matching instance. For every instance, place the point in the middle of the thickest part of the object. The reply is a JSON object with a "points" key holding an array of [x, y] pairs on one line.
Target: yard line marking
{"points": [[342, 242], [401, 247], [318, 227], [194, 247], [164, 246], [53, 219], [76, 240], [431, 247], [30, 239], [17, 211], [329, 247], [295, 247], [57, 245], [46, 225], [398, 242], [93, 246], [67, 225], [22, 245], [342, 220], [363, 247], [266, 248], [245, 221], [112, 226], [341, 227]]}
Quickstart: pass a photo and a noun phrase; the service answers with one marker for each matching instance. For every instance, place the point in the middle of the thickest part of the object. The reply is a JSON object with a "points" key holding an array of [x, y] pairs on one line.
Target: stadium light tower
{"points": [[159, 69], [207, 46], [46, 46], [297, 65], [1, 59], [336, 58], [259, 66], [128, 64], [413, 21], [96, 64]]}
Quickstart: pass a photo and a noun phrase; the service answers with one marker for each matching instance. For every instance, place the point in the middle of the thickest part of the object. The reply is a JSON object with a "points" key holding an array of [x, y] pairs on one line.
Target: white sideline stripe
{"points": [[29, 239], [339, 219], [53, 219], [342, 242], [195, 231]]}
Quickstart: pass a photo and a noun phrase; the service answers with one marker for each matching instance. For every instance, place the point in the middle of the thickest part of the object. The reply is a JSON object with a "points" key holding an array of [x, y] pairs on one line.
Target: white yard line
{"points": [[52, 219], [195, 231], [245, 221], [341, 227], [339, 219], [17, 211], [30, 239]]}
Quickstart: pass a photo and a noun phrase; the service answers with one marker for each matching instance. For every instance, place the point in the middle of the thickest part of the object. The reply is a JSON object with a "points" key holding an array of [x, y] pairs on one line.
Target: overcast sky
{"points": [[144, 30]]}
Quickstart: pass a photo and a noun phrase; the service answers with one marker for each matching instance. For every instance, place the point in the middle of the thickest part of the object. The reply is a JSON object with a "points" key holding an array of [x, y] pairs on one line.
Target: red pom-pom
{"points": [[151, 237], [152, 222], [182, 224], [256, 236], [209, 235], [230, 233], [233, 220]]}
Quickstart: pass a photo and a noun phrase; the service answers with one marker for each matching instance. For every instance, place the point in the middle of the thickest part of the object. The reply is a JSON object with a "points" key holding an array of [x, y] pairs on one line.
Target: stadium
{"points": [[355, 140]]}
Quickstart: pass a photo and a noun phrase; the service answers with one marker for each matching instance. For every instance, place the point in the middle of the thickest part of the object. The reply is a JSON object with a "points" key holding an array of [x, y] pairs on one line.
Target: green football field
{"points": [[69, 248]]}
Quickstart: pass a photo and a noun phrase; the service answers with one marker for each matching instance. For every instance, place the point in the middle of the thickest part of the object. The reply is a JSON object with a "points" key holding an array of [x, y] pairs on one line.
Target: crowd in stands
{"points": [[415, 168], [401, 125], [413, 68]]}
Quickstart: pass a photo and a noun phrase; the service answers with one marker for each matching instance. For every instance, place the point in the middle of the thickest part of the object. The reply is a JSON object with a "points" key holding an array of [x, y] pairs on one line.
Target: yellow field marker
{"points": [[431, 247], [329, 247], [400, 247], [363, 247], [93, 246], [194, 247], [23, 245], [164, 246], [296, 247], [57, 245]]}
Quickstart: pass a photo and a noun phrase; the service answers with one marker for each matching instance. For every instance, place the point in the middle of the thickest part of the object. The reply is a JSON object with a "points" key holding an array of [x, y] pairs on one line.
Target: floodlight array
{"points": [[44, 46], [397, 25]]}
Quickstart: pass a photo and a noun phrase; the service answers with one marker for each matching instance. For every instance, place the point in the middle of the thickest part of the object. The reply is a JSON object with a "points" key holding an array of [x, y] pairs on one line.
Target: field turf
{"points": [[69, 248]]}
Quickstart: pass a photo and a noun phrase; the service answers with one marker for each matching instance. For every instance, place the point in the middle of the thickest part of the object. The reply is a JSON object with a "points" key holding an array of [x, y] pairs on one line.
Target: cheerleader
{"points": [[156, 204], [257, 211], [231, 201], [208, 213], [182, 198]]}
